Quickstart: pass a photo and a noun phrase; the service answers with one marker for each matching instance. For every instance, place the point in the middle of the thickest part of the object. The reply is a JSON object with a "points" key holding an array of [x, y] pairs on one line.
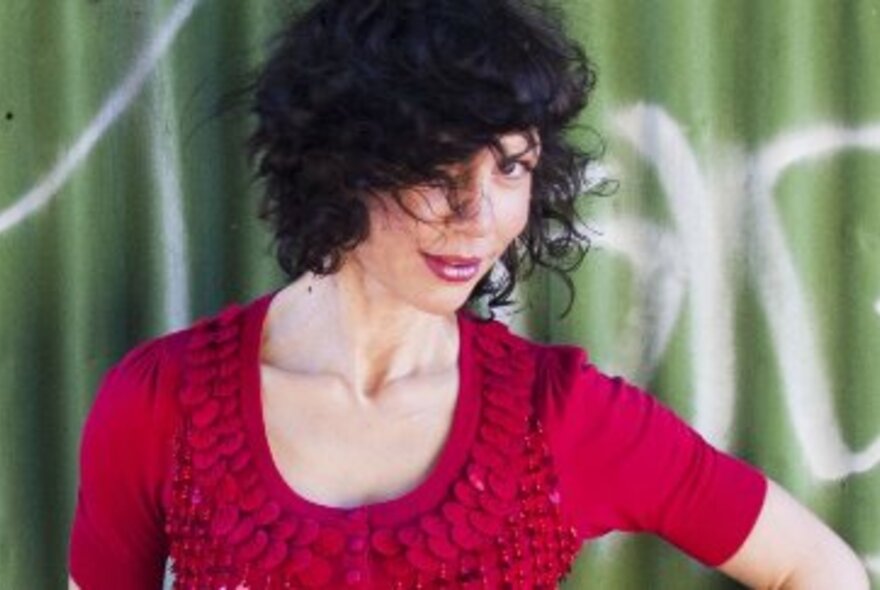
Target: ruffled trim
{"points": [[499, 526]]}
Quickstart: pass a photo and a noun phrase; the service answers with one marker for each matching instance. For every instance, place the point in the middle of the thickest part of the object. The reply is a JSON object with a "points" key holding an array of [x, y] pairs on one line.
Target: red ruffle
{"points": [[500, 525]]}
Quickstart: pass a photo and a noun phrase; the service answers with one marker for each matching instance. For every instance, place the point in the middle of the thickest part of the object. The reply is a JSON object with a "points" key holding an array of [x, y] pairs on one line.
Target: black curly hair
{"points": [[361, 98]]}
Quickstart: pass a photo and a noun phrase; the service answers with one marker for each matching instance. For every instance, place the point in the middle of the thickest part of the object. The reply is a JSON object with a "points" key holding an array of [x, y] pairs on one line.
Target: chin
{"points": [[440, 303]]}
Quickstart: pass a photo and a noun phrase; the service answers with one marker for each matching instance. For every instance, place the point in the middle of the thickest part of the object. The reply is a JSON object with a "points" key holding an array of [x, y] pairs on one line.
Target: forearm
{"points": [[790, 549], [832, 566]]}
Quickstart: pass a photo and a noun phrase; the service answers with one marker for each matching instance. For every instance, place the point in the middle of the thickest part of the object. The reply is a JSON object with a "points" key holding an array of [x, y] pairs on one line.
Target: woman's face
{"points": [[432, 258]]}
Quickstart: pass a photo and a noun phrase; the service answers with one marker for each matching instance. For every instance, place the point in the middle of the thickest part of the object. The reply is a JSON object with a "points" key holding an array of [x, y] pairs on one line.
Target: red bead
{"points": [[205, 459], [354, 577], [454, 512], [231, 443], [268, 514], [225, 520], [226, 387], [202, 439], [433, 525], [253, 547], [496, 507], [300, 558], [477, 476], [385, 542], [193, 394], [214, 474], [442, 548], [488, 456], [504, 487], [465, 537], [253, 499], [330, 541], [409, 535], [465, 494], [206, 413], [357, 544], [227, 490], [229, 369], [229, 425], [242, 530], [284, 529], [308, 532], [317, 574], [422, 560], [487, 524]]}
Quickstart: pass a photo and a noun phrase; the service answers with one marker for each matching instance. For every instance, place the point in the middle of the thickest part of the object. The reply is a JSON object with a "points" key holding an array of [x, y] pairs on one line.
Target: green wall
{"points": [[736, 271]]}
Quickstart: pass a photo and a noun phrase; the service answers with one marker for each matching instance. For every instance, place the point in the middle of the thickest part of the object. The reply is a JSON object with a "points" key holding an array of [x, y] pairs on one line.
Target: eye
{"points": [[514, 169]]}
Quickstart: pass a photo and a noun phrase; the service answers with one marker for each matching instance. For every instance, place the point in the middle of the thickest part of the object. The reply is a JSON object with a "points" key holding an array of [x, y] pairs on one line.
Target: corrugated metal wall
{"points": [[736, 272]]}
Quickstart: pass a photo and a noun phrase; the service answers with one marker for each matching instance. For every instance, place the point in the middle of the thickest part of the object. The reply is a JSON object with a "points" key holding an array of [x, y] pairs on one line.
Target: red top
{"points": [[544, 452]]}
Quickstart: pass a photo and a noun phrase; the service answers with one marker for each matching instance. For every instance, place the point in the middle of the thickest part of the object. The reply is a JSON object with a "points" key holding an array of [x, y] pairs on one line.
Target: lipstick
{"points": [[454, 269]]}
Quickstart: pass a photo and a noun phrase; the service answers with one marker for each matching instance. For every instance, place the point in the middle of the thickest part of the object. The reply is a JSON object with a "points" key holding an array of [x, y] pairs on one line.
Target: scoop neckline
{"points": [[425, 495]]}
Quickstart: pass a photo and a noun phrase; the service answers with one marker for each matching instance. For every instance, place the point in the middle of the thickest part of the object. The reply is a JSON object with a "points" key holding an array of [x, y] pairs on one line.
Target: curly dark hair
{"points": [[370, 97]]}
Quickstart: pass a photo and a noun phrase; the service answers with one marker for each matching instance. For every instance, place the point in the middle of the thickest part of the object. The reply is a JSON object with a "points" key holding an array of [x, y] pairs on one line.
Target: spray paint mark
{"points": [[696, 214], [745, 185], [661, 279], [807, 386], [116, 104], [872, 562], [164, 146]]}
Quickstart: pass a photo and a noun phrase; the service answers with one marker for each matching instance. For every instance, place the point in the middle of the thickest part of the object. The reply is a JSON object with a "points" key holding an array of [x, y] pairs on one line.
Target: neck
{"points": [[348, 326]]}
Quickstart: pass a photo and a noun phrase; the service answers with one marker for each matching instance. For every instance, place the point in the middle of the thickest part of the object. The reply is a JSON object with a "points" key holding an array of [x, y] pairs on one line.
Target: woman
{"points": [[358, 427]]}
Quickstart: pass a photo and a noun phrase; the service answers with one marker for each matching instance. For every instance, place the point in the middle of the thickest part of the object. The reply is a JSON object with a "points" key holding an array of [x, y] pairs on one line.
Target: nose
{"points": [[475, 212]]}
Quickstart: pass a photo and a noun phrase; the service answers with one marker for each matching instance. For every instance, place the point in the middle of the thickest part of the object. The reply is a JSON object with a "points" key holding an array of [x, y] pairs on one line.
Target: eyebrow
{"points": [[530, 152], [532, 147]]}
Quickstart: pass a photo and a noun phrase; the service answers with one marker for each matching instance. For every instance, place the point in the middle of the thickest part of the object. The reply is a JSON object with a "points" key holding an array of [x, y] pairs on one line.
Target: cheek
{"points": [[393, 235], [388, 222], [513, 215]]}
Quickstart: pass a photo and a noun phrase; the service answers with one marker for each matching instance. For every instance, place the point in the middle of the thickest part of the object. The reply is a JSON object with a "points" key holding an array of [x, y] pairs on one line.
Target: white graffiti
{"points": [[701, 244], [661, 283], [166, 159], [709, 205], [873, 564], [806, 382], [116, 104]]}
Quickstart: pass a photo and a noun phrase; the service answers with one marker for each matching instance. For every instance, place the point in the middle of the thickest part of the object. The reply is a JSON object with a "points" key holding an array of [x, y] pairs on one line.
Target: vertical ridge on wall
{"points": [[734, 273]]}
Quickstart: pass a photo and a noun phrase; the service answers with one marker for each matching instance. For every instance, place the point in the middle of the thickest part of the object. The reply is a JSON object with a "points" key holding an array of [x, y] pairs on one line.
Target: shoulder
{"points": [[154, 370], [136, 402], [152, 363], [142, 389], [557, 366], [570, 394], [554, 356]]}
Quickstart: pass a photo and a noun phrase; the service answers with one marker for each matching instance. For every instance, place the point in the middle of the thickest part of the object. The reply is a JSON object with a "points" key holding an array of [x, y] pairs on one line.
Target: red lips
{"points": [[453, 269], [455, 260]]}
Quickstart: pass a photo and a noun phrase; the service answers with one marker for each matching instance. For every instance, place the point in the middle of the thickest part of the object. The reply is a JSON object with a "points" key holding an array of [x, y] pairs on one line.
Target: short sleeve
{"points": [[625, 462], [117, 539]]}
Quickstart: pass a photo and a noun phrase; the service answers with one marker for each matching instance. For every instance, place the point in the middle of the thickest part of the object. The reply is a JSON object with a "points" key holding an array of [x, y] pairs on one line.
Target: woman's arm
{"points": [[789, 548]]}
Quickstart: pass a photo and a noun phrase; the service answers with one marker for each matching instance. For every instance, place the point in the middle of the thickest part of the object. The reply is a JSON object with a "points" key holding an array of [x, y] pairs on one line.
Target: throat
{"points": [[366, 352]]}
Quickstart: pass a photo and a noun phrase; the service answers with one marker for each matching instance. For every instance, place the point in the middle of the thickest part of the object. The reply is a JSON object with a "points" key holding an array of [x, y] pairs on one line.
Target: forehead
{"points": [[517, 143]]}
